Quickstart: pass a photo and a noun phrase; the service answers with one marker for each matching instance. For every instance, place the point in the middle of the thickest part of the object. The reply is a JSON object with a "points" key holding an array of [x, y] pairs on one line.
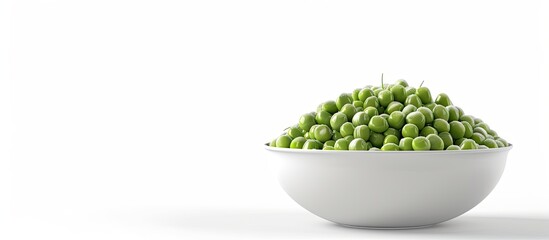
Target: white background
{"points": [[146, 119]]}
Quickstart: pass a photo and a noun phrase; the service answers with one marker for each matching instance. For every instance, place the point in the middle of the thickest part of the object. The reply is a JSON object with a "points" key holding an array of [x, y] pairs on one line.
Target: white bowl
{"points": [[401, 189]]}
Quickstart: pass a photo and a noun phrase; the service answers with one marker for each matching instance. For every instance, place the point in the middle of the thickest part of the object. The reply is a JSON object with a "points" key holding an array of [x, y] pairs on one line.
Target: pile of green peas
{"points": [[391, 117]]}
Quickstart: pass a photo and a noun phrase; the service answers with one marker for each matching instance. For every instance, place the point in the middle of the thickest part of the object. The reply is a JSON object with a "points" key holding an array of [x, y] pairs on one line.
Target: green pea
{"points": [[378, 124], [468, 144], [390, 139], [428, 130], [328, 148], [480, 130], [329, 143], [390, 147], [349, 138], [336, 135], [443, 100], [461, 113], [493, 133], [399, 93], [323, 117], [441, 112], [413, 100], [397, 119], [377, 91], [347, 129], [500, 144], [362, 131], [368, 145], [421, 144], [359, 109], [355, 94], [343, 99], [459, 141], [392, 131], [394, 106], [376, 139], [410, 130], [468, 129], [373, 149], [484, 126], [477, 121], [430, 106], [424, 94], [371, 102], [490, 143], [401, 82], [273, 143], [306, 135], [360, 118], [358, 104], [482, 147], [409, 109], [323, 133], [306, 121], [358, 144], [503, 141], [453, 147], [384, 116], [405, 144], [294, 132], [385, 97], [312, 131], [441, 125], [312, 144], [427, 113], [342, 144], [337, 120], [364, 94], [371, 111], [417, 119], [436, 142], [446, 138], [330, 107], [410, 91], [349, 110], [457, 130], [298, 142], [453, 113], [467, 118]]}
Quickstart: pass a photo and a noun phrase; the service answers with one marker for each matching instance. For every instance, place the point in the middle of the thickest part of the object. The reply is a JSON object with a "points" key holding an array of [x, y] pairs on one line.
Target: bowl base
{"points": [[385, 228]]}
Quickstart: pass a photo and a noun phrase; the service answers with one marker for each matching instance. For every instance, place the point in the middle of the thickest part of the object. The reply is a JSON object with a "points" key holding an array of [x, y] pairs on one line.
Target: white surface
{"points": [[104, 106], [388, 190]]}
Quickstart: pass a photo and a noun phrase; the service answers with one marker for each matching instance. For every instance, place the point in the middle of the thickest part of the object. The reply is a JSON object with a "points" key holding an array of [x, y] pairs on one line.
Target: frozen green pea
{"points": [[294, 132], [273, 143], [329, 143], [358, 144], [298, 142], [410, 130], [441, 112], [459, 141], [410, 91], [358, 104], [390, 139], [371, 102], [312, 131], [355, 94], [453, 147], [453, 113], [336, 135], [371, 111], [493, 133], [477, 121], [468, 129], [394, 106], [405, 144], [364, 94], [373, 149], [323, 117], [377, 91], [376, 139], [430, 106], [409, 109], [392, 131], [413, 100], [341, 144], [349, 138], [467, 118], [457, 130], [360, 118], [480, 130], [306, 121], [399, 93], [436, 142], [484, 126], [461, 112], [490, 143], [323, 133], [401, 82], [330, 107], [424, 94], [421, 144], [503, 141], [446, 138], [428, 130], [427, 113], [417, 119], [500, 144], [312, 144], [443, 100], [359, 109], [468, 144], [378, 124], [337, 120], [343, 99], [363, 132], [385, 97], [328, 148], [482, 147], [347, 129], [441, 125], [397, 119], [349, 110], [390, 147], [384, 116]]}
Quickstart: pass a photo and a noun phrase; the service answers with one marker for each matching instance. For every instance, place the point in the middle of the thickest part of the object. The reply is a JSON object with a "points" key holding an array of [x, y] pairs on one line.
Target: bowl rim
{"points": [[445, 152]]}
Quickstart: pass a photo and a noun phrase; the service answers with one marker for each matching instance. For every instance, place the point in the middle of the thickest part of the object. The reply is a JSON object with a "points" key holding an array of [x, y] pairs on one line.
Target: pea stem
{"points": [[382, 87], [421, 83]]}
